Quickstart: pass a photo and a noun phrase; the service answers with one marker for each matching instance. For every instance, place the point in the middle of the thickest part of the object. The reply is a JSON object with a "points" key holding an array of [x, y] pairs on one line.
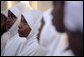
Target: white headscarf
{"points": [[31, 47], [13, 30], [73, 19], [32, 17], [17, 10], [5, 13]]}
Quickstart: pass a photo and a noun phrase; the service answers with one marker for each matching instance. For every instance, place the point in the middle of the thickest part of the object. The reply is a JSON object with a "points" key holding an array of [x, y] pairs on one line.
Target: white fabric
{"points": [[73, 19], [4, 39], [54, 42], [13, 30], [31, 47], [31, 20], [47, 31], [13, 45], [5, 13], [59, 46], [48, 16]]}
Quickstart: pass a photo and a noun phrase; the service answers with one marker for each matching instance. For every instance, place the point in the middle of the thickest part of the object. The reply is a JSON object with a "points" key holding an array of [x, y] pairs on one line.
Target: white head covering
{"points": [[5, 13], [15, 11], [22, 7], [48, 16], [31, 47], [73, 19], [13, 30], [32, 17]]}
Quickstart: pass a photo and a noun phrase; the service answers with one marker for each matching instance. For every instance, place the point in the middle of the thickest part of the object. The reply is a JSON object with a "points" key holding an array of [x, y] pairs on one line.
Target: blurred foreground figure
{"points": [[56, 36], [68, 17], [28, 28]]}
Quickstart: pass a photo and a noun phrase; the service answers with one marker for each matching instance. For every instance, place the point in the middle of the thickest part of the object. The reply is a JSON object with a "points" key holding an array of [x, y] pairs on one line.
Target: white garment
{"points": [[12, 47], [15, 11], [59, 45], [47, 31], [12, 31], [4, 39], [32, 20], [51, 39], [5, 13], [31, 47]]}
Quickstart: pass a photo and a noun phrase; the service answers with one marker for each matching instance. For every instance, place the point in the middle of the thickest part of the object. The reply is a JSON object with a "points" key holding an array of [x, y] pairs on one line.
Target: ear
{"points": [[10, 14]]}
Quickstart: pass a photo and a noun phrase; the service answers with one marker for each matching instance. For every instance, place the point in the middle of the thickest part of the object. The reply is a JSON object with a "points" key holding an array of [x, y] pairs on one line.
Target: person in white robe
{"points": [[51, 39], [31, 47], [13, 30]]}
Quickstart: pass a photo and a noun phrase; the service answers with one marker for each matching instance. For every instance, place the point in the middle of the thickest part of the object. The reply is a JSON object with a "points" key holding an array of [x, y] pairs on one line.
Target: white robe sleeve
{"points": [[4, 39], [13, 46]]}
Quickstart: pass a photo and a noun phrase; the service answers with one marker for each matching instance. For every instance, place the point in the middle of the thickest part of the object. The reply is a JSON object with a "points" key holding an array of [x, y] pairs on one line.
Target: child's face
{"points": [[24, 28], [11, 20]]}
